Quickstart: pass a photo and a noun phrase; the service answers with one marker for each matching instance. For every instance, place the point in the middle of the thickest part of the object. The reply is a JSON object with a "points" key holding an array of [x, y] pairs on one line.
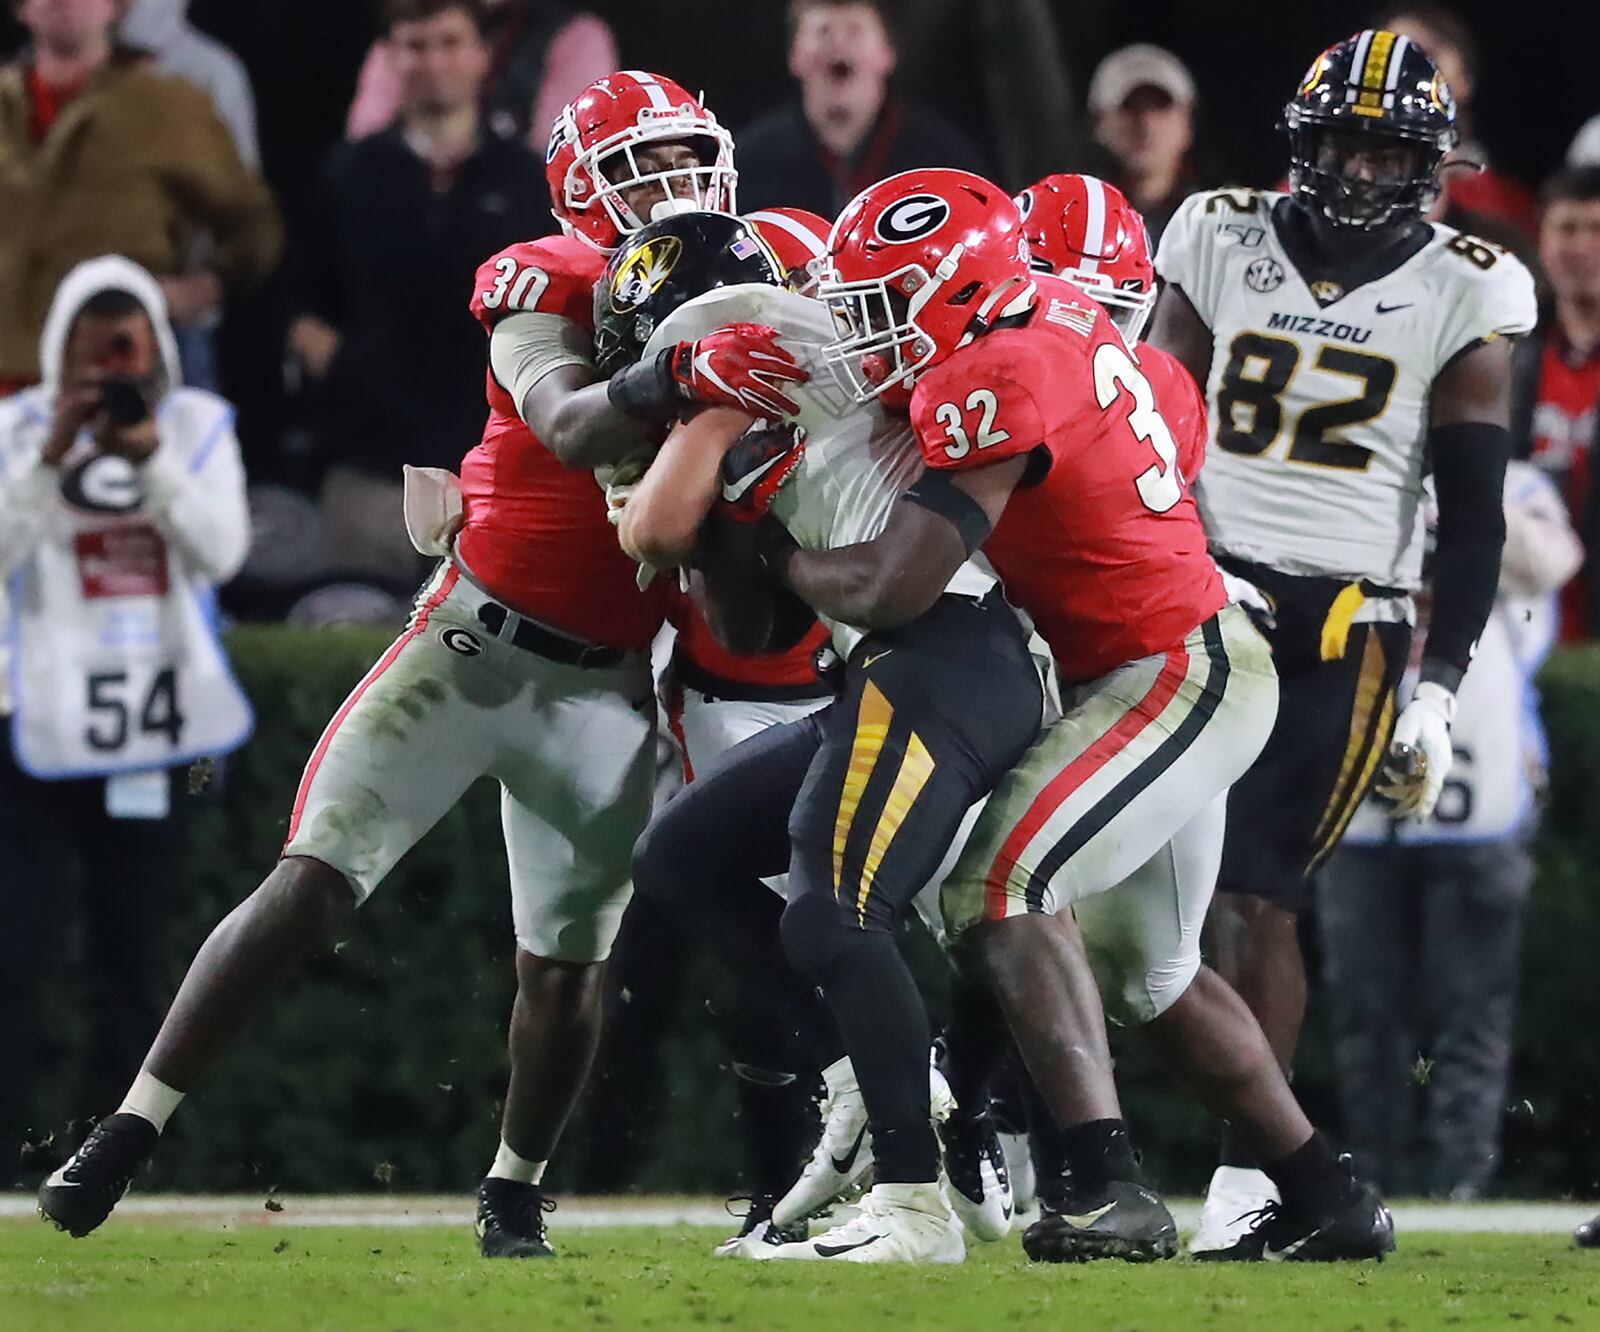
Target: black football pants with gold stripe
{"points": [[869, 794], [1335, 719]]}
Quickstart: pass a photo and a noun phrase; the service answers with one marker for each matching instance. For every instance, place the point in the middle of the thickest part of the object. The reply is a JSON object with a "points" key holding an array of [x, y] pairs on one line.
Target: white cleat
{"points": [[756, 1232], [843, 1154], [1233, 1200], [977, 1184], [897, 1223], [1019, 1167]]}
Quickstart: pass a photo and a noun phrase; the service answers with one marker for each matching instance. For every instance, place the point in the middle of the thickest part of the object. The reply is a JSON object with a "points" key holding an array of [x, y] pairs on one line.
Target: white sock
{"points": [[150, 1098], [508, 1165]]}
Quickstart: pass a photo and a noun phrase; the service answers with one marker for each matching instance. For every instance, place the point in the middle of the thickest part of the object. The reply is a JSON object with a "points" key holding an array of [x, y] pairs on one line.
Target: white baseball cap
{"points": [[1142, 65]]}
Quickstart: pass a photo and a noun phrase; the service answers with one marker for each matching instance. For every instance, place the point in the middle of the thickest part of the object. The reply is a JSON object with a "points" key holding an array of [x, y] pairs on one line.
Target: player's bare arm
{"points": [[898, 575], [1177, 329], [662, 519], [570, 413]]}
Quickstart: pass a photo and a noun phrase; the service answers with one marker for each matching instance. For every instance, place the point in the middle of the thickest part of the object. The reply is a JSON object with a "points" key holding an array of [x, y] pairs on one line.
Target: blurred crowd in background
{"points": [[312, 185], [315, 205]]}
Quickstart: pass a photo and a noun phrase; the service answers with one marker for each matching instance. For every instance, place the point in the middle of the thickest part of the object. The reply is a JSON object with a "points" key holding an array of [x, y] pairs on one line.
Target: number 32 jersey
{"points": [[1319, 396], [1100, 544]]}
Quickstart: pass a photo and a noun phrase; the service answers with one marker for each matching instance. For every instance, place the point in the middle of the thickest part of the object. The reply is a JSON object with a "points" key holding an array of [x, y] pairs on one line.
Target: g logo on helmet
{"points": [[643, 272], [912, 218], [1024, 203]]}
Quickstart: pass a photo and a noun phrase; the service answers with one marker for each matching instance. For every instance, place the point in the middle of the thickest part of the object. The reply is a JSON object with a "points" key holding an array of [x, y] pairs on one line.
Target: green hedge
{"points": [[384, 1066]]}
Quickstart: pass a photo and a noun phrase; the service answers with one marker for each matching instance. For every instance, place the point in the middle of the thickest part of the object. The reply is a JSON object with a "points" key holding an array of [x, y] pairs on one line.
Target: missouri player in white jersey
{"points": [[1353, 354], [862, 800]]}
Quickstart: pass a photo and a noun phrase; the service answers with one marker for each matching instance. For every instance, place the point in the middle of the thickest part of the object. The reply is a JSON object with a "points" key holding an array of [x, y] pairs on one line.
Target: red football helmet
{"points": [[918, 265], [590, 160], [1082, 229], [799, 239]]}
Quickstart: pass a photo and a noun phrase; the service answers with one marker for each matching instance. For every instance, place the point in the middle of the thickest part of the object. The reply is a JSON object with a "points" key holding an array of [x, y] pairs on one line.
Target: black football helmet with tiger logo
{"points": [[1374, 97]]}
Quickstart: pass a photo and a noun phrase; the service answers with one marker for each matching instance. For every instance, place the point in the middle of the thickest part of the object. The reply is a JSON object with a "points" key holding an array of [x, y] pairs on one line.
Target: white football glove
{"points": [[1420, 753]]}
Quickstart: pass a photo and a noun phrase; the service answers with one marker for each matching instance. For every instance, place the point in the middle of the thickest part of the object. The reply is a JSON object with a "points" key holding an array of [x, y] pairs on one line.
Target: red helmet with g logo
{"points": [[918, 265], [591, 158], [1084, 230]]}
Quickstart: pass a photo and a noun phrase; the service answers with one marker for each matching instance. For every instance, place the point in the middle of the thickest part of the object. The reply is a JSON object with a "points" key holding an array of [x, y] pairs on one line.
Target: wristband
{"points": [[936, 492], [646, 390]]}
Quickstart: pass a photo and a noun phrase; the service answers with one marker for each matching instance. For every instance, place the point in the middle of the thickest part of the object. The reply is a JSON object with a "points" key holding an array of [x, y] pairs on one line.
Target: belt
{"points": [[533, 637]]}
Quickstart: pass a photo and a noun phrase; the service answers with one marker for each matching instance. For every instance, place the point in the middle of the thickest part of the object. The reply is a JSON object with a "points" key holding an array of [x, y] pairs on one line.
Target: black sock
{"points": [[1311, 1180], [1234, 1152], [880, 1015], [976, 1042], [1098, 1152], [1044, 1134], [779, 1123], [905, 1155]]}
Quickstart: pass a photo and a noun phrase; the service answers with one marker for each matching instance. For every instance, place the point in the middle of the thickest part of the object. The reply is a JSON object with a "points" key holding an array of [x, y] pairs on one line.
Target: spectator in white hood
{"points": [[162, 27], [122, 505]]}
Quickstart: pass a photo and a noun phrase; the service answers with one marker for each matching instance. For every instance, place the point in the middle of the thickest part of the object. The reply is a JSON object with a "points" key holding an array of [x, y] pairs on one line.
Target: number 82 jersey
{"points": [[1318, 395]]}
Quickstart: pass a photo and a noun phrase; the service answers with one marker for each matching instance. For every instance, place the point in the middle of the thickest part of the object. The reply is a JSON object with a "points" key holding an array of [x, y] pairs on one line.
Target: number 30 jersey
{"points": [[1100, 544], [1319, 395]]}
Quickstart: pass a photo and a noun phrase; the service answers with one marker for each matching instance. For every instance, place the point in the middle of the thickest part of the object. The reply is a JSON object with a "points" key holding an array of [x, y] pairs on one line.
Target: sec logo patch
{"points": [[459, 640], [1264, 275]]}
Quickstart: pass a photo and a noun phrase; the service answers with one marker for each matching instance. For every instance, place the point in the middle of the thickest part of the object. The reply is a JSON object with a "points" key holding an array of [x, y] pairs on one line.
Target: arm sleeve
{"points": [[524, 348], [197, 500], [1469, 468]]}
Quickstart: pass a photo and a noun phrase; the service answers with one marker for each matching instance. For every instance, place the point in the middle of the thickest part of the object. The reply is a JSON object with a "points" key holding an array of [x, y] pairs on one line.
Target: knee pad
{"points": [[815, 932]]}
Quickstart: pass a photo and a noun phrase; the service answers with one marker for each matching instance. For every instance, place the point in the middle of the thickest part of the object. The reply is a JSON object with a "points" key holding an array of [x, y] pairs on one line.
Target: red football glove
{"points": [[754, 471], [740, 366]]}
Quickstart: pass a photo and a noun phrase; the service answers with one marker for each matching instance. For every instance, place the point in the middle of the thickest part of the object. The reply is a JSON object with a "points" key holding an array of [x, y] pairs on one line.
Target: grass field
{"points": [[153, 1273]]}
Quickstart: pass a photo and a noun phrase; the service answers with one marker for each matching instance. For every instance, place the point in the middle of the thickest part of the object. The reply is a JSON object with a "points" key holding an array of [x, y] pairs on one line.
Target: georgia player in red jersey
{"points": [[1058, 461], [526, 659]]}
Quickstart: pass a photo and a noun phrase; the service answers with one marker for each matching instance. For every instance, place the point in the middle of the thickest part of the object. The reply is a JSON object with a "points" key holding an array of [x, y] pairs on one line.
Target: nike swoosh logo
{"points": [[736, 490], [866, 662], [1289, 1250], [834, 1250], [1390, 309], [843, 1163], [1087, 1219]]}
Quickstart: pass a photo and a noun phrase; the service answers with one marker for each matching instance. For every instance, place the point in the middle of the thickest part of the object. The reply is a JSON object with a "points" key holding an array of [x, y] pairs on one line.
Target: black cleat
{"points": [[511, 1220], [1359, 1228], [1122, 1220], [81, 1194], [758, 1229], [1587, 1236]]}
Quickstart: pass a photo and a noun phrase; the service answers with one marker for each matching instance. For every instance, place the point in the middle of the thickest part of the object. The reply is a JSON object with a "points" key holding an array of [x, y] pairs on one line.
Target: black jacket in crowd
{"points": [[389, 261], [782, 164]]}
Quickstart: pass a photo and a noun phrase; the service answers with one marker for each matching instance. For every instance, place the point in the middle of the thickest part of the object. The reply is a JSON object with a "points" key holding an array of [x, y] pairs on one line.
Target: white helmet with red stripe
{"points": [[799, 238], [1084, 230], [591, 163]]}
